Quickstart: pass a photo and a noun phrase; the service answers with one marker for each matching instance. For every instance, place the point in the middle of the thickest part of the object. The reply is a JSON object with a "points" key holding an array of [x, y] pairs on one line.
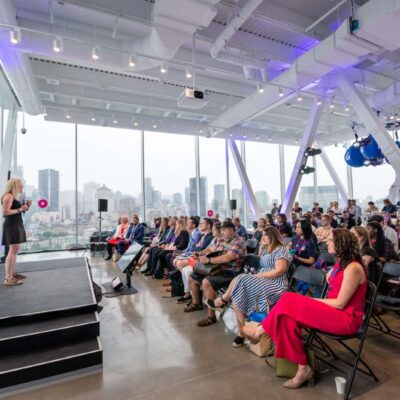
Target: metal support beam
{"points": [[308, 138], [315, 178], [350, 187], [228, 185], [142, 171], [244, 201], [76, 187], [197, 161], [247, 189], [372, 123], [7, 151], [282, 170], [335, 177]]}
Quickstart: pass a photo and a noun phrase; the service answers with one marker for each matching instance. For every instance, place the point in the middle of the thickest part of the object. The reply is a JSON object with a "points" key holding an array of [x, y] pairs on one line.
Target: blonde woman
{"points": [[13, 228]]}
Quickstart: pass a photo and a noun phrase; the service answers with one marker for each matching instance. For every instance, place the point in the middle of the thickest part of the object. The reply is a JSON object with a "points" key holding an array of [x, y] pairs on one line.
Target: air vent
{"points": [[54, 82]]}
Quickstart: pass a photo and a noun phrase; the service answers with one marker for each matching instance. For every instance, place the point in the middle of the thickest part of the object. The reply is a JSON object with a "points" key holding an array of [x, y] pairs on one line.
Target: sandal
{"points": [[12, 282], [19, 276], [211, 304], [207, 321], [193, 307]]}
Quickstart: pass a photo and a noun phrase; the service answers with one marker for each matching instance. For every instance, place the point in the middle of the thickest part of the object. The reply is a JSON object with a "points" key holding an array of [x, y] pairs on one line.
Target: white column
{"points": [[315, 178], [197, 161], [142, 176], [76, 186], [247, 189], [308, 138], [244, 200], [228, 185], [282, 170]]}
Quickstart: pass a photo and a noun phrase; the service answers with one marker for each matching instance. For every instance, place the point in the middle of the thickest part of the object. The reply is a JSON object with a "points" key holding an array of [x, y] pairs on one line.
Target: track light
{"points": [[154, 126], [304, 170], [93, 118], [188, 73], [258, 137], [215, 133], [391, 117], [347, 108], [270, 139], [299, 96], [200, 130], [310, 152], [280, 92], [163, 68], [58, 44], [96, 52], [244, 136], [15, 36], [132, 61], [319, 101], [115, 120], [67, 115], [260, 88], [331, 104]]}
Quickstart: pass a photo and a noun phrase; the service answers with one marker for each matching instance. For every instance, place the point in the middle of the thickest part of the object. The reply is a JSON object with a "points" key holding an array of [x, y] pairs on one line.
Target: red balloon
{"points": [[42, 203]]}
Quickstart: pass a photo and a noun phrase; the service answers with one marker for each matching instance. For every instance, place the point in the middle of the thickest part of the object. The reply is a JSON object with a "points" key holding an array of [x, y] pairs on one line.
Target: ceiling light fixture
{"points": [[188, 73], [319, 101], [163, 68], [58, 44], [15, 36], [391, 117], [331, 104], [280, 94], [96, 52], [347, 108], [132, 61], [45, 112], [93, 118], [67, 115], [258, 137], [115, 121], [260, 87], [135, 123], [270, 139], [200, 130], [299, 96]]}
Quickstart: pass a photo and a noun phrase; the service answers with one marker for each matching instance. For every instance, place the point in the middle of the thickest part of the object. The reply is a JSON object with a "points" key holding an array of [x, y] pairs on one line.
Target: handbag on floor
{"points": [[264, 346], [287, 369]]}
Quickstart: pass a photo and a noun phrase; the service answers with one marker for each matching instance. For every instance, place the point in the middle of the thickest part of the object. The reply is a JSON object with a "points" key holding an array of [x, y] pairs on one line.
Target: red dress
{"points": [[115, 241], [294, 312]]}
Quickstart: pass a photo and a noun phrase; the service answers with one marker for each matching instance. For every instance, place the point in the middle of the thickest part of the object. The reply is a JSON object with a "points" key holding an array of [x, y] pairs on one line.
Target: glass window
{"points": [[46, 162], [170, 176], [212, 166], [109, 165]]}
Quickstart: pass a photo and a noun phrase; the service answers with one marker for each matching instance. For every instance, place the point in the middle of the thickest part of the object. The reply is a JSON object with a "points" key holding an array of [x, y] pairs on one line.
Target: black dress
{"points": [[13, 227]]}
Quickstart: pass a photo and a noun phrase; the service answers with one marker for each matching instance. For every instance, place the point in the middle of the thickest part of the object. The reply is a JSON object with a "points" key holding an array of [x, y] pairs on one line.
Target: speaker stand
{"points": [[127, 289]]}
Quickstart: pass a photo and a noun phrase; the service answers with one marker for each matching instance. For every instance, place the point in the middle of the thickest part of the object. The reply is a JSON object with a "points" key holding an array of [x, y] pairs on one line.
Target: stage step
{"points": [[25, 336], [45, 362]]}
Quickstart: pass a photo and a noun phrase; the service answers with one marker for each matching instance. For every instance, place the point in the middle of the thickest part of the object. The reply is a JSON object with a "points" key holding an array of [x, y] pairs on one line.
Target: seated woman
{"points": [[187, 266], [258, 232], [259, 291], [382, 246], [162, 233], [283, 226], [341, 313], [118, 236], [306, 250], [179, 242]]}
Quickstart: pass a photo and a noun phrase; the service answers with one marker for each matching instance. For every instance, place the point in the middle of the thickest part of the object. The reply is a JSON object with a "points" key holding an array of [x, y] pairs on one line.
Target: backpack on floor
{"points": [[177, 289]]}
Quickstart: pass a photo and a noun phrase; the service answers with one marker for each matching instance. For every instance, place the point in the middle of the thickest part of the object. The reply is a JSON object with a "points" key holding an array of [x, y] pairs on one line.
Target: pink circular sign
{"points": [[210, 213], [42, 203]]}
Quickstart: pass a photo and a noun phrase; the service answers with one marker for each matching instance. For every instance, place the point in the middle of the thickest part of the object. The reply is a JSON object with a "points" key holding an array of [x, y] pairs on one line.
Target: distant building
{"points": [[237, 194], [89, 197], [326, 194], [219, 197], [177, 199], [156, 199], [148, 191], [262, 200], [49, 188], [104, 192], [127, 205], [193, 196], [67, 201]]}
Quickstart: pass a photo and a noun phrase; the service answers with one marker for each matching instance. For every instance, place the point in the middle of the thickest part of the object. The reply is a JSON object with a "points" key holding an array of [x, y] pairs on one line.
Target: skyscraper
{"points": [[177, 199], [148, 191], [89, 196], [219, 197], [326, 194], [262, 200], [193, 196], [49, 188]]}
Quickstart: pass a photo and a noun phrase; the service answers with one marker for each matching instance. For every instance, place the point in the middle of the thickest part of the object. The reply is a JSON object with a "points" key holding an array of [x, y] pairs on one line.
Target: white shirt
{"points": [[391, 234]]}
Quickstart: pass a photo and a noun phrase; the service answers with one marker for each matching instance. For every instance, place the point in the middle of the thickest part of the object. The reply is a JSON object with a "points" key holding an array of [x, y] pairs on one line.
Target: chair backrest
{"points": [[369, 306], [286, 239], [309, 275], [327, 257], [252, 261], [392, 269], [251, 245]]}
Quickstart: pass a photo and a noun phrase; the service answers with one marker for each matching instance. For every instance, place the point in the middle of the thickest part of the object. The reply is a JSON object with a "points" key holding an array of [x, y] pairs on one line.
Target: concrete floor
{"points": [[153, 350]]}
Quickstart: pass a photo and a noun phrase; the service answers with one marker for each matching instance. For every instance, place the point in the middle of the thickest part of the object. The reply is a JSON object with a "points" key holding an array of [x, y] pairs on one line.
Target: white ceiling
{"points": [[274, 35]]}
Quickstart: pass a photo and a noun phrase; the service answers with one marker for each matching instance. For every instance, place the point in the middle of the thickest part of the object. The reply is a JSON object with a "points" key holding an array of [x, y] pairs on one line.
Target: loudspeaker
{"points": [[233, 204], [103, 205], [117, 283]]}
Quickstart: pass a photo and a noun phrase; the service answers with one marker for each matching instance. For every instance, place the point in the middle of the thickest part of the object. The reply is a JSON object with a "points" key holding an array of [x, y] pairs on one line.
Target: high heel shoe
{"points": [[309, 377]]}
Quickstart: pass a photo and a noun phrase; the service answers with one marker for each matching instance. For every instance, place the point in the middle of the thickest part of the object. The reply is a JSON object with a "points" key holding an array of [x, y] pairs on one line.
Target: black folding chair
{"points": [[251, 246], [251, 264], [315, 278], [360, 335], [391, 270]]}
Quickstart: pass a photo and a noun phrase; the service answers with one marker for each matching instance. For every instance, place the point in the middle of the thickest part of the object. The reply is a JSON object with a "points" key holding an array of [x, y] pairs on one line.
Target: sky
{"points": [[111, 156]]}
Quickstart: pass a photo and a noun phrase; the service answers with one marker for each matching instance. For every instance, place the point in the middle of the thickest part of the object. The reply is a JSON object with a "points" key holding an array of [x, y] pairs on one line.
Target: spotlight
{"points": [[299, 97], [310, 152], [135, 123], [200, 130], [45, 113], [67, 115], [304, 170], [258, 137], [260, 88], [244, 136], [331, 105], [58, 44], [154, 126], [270, 139], [132, 61], [96, 52], [15, 36], [93, 118], [163, 68], [188, 73], [280, 92], [215, 133], [115, 120], [391, 117], [319, 101], [347, 108]]}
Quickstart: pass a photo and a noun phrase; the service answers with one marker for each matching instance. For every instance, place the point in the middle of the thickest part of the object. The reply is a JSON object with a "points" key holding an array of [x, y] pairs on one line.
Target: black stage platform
{"points": [[49, 326]]}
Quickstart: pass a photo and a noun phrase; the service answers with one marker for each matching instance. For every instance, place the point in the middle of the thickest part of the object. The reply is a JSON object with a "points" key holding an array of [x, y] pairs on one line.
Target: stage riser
{"points": [[50, 369], [60, 336]]}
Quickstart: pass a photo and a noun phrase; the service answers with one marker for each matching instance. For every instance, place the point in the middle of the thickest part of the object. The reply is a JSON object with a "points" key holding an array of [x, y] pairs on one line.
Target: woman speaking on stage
{"points": [[13, 228]]}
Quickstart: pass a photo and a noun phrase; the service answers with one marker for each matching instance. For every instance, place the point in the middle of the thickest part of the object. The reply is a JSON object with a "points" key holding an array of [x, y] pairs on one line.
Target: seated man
{"points": [[324, 232], [231, 265], [334, 221], [118, 236], [136, 234], [240, 229], [389, 208], [347, 220]]}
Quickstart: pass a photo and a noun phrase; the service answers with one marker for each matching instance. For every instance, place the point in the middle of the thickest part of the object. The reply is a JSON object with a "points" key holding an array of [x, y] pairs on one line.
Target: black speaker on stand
{"points": [[233, 206], [102, 207]]}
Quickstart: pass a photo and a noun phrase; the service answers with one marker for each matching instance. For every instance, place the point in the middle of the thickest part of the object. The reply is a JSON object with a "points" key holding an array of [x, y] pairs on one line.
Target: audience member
{"points": [[274, 209], [123, 226], [135, 234], [296, 208], [389, 208], [284, 228], [316, 208], [229, 265], [388, 231], [342, 310], [240, 229], [335, 208], [382, 246], [303, 245], [262, 224], [324, 232], [347, 219], [351, 209], [371, 209], [262, 290], [334, 221], [270, 219]]}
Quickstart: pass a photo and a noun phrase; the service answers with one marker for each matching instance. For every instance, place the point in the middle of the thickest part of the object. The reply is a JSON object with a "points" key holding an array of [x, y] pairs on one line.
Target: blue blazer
{"points": [[136, 234]]}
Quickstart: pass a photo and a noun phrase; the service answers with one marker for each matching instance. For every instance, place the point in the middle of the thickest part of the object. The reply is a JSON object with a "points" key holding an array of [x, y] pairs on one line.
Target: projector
{"points": [[193, 99]]}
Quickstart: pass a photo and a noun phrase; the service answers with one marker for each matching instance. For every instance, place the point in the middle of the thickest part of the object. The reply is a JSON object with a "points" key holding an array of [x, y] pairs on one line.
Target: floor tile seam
{"points": [[218, 371]]}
